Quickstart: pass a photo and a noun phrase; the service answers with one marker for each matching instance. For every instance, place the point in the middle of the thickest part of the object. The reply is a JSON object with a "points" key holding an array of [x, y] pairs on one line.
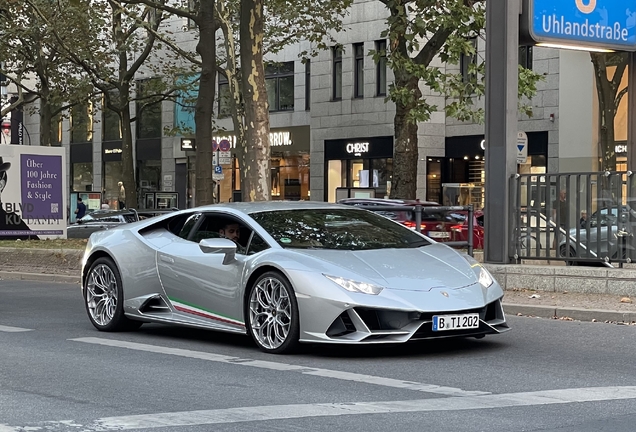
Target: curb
{"points": [[577, 314], [39, 277]]}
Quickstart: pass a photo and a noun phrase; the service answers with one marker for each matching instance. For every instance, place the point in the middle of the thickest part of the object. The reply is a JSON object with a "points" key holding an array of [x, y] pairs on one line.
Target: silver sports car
{"points": [[286, 273]]}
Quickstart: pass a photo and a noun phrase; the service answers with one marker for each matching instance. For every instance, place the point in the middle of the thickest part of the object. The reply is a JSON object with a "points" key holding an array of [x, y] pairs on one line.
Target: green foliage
{"points": [[419, 31]]}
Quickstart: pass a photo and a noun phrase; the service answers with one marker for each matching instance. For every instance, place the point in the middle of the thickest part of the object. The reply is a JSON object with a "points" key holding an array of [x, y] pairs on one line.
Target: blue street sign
{"points": [[218, 169], [605, 24]]}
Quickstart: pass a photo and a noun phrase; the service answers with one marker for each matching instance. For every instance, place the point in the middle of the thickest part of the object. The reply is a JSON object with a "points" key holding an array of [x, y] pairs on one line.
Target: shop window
{"points": [[525, 57], [148, 108], [290, 177], [111, 124], [224, 97], [113, 174], [279, 79], [434, 180], [149, 175], [468, 62], [82, 123], [82, 174], [358, 69], [380, 75], [308, 85], [336, 53], [56, 130]]}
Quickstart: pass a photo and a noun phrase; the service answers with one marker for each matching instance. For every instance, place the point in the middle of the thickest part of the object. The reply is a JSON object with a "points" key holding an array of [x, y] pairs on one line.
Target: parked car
{"points": [[459, 232], [437, 225], [100, 220], [607, 234], [285, 273]]}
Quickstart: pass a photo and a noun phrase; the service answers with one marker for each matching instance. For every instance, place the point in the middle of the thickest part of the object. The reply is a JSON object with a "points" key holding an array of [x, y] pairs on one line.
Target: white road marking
{"points": [[286, 412], [262, 364], [8, 329]]}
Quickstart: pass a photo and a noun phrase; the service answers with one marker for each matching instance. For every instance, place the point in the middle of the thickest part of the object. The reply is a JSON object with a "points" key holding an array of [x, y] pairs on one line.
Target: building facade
{"points": [[332, 128]]}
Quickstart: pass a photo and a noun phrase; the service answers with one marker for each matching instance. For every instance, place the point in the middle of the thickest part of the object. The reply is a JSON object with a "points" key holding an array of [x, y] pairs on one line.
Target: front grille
{"points": [[341, 326], [426, 332]]}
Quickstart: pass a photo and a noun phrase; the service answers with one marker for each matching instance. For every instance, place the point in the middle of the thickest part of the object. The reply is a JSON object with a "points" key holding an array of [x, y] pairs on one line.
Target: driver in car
{"points": [[232, 231]]}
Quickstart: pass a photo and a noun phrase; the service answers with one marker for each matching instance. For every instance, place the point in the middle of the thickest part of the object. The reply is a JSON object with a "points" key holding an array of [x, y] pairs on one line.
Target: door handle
{"points": [[166, 259]]}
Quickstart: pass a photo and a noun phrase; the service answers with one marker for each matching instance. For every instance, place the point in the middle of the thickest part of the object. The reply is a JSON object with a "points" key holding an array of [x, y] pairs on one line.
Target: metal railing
{"points": [[419, 210], [582, 218]]}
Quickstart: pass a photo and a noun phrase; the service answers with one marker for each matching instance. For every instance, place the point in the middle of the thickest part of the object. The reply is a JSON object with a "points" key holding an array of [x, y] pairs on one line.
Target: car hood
{"points": [[421, 269]]}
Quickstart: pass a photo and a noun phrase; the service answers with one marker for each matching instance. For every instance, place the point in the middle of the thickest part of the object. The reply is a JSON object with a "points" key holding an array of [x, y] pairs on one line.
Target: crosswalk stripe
{"points": [[263, 364], [286, 412], [8, 329]]}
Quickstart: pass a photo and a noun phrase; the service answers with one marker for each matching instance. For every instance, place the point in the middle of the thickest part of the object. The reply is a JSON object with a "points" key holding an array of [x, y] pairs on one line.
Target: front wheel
{"points": [[273, 314], [104, 298]]}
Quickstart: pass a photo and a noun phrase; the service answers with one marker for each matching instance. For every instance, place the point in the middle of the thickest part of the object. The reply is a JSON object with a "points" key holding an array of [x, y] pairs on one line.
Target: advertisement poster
{"points": [[33, 202]]}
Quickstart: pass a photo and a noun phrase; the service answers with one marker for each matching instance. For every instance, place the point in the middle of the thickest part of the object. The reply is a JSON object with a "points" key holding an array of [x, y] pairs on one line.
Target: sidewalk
{"points": [[522, 302]]}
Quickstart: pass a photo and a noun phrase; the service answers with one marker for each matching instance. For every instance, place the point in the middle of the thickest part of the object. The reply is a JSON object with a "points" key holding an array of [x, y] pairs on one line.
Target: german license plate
{"points": [[438, 234], [455, 322]]}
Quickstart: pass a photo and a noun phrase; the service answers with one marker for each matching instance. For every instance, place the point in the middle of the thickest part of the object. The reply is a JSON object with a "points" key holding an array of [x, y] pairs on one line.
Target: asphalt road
{"points": [[57, 373]]}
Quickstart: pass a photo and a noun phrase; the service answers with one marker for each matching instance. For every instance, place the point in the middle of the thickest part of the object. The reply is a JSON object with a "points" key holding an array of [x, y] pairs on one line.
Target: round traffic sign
{"points": [[215, 145], [224, 145]]}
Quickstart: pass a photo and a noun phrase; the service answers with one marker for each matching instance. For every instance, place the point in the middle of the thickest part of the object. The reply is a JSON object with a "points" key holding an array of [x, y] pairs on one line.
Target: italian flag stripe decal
{"points": [[182, 307]]}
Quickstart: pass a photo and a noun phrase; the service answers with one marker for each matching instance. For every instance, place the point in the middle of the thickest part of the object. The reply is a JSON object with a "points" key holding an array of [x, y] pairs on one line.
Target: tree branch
{"points": [[169, 9], [19, 101]]}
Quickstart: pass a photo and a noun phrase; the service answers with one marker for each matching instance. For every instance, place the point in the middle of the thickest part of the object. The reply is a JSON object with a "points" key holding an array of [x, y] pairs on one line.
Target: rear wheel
{"points": [[273, 314], [104, 298], [563, 252]]}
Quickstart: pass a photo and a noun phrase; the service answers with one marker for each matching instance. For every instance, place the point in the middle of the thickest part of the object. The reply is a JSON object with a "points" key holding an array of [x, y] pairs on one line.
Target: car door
{"points": [[199, 284]]}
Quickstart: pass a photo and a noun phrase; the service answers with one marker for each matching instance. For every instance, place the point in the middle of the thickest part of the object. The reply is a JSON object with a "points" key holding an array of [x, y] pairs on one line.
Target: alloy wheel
{"points": [[101, 294], [270, 313]]}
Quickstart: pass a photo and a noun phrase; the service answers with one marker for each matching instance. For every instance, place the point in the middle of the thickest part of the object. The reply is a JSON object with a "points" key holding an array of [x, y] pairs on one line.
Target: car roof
{"points": [[108, 213], [385, 201], [263, 206]]}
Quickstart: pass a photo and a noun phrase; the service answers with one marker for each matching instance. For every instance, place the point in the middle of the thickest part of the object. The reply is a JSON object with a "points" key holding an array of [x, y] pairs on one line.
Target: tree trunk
{"points": [[46, 117], [127, 155], [205, 104], [405, 149], [256, 173], [404, 182]]}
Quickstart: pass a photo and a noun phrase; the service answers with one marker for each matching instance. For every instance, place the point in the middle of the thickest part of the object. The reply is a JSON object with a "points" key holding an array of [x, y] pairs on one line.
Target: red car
{"points": [[436, 225], [459, 232]]}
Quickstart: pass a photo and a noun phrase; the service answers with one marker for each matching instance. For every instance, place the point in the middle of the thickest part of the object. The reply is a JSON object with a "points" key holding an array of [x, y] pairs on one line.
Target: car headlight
{"points": [[354, 286], [485, 279]]}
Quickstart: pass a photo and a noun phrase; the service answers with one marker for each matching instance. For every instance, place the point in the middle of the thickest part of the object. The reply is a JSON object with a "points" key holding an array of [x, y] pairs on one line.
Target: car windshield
{"points": [[336, 229]]}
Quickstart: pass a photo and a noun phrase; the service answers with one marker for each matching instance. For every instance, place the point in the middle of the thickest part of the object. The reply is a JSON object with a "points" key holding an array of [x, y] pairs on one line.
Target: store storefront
{"points": [[148, 169], [459, 177], [289, 168], [365, 163], [81, 161]]}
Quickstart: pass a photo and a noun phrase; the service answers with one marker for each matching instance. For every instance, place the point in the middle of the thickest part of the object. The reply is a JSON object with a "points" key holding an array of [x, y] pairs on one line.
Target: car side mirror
{"points": [[219, 246]]}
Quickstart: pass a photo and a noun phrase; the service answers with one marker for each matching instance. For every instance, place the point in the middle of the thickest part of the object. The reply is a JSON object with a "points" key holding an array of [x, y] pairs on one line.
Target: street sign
{"points": [[225, 145], [188, 144], [215, 145], [218, 173], [522, 147], [605, 24], [225, 158]]}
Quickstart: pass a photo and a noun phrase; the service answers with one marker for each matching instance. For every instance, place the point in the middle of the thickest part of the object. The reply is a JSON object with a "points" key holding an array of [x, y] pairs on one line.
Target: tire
{"points": [[274, 328], [563, 253], [104, 298]]}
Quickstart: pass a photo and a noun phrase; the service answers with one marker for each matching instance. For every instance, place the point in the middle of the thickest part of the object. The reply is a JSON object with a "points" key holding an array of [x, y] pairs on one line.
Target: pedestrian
{"points": [[583, 220], [80, 211], [121, 196]]}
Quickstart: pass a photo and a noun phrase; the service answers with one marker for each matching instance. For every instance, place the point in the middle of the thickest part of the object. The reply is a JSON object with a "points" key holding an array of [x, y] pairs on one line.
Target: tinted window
{"points": [[184, 228], [340, 229], [257, 245]]}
